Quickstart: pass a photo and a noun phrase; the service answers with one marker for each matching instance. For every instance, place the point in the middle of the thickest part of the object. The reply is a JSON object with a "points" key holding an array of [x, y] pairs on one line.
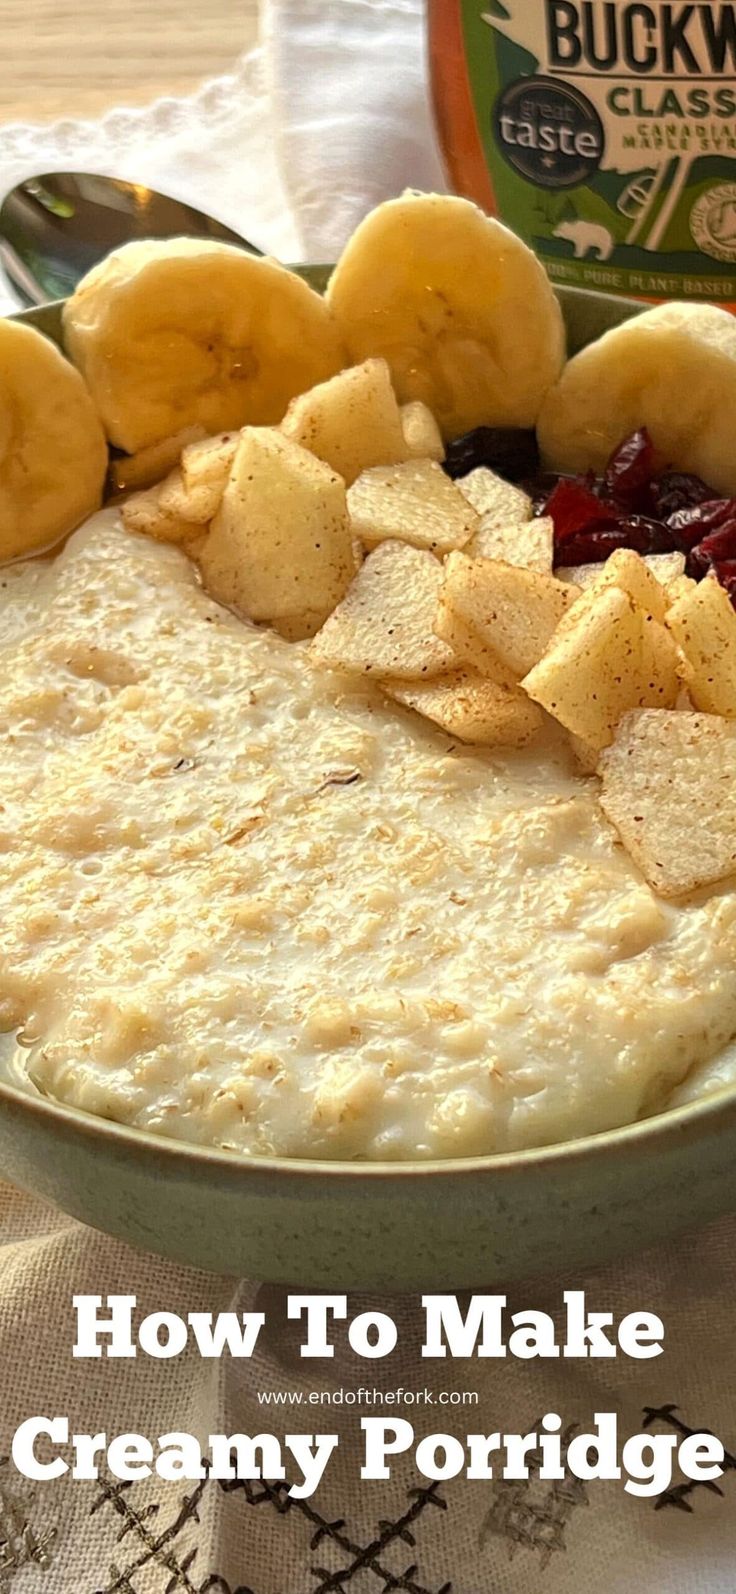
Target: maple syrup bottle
{"points": [[602, 131]]}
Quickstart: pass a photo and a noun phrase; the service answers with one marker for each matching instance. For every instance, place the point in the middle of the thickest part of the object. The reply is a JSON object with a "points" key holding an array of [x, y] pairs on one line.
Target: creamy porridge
{"points": [[251, 903], [370, 770]]}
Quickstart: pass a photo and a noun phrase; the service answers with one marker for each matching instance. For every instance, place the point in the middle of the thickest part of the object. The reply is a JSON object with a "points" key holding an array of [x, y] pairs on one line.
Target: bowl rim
{"points": [[674, 1124], [691, 1120]]}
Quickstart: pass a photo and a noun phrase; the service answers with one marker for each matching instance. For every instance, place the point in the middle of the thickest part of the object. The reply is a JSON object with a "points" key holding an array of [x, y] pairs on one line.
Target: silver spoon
{"points": [[55, 227]]}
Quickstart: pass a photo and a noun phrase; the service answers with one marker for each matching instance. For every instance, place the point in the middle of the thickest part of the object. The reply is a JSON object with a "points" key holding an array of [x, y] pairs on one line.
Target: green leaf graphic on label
{"points": [[495, 11]]}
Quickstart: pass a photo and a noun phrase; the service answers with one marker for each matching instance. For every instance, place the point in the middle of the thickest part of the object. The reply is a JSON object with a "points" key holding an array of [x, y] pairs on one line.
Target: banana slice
{"points": [[53, 456], [672, 369], [458, 306], [177, 332]]}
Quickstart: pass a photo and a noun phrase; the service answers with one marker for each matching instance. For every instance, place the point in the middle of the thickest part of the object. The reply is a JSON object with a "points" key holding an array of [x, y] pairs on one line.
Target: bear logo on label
{"points": [[584, 236]]}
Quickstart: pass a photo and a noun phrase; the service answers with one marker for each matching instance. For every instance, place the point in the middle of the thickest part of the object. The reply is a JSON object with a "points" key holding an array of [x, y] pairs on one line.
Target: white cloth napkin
{"points": [[348, 102], [325, 118]]}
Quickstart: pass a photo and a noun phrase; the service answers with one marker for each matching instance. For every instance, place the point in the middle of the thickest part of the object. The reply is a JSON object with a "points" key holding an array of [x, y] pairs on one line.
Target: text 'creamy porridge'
{"points": [[250, 902]]}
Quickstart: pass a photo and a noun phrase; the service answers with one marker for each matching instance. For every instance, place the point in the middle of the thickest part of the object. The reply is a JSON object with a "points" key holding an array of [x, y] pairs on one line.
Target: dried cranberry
{"points": [[678, 490], [573, 506], [591, 546], [506, 449], [540, 486], [628, 507], [596, 542], [648, 535], [697, 563], [628, 474], [726, 573], [689, 525], [712, 550]]}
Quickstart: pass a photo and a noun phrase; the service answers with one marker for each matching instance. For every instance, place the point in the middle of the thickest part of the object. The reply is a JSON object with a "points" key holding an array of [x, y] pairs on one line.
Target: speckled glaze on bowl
{"points": [[395, 1226]]}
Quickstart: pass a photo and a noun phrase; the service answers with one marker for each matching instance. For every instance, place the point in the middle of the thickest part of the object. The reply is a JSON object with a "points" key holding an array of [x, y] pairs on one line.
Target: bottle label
{"points": [[609, 130]]}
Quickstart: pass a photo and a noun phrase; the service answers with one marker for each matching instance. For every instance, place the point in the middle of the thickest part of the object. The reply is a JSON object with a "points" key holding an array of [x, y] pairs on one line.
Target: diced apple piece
{"points": [[472, 708], [512, 611], [383, 627], [134, 471], [585, 755], [194, 545], [624, 569], [665, 566], [188, 503], [205, 467], [589, 674], [669, 787], [498, 501], [467, 644], [352, 421], [280, 545], [627, 570], [677, 588], [661, 666], [415, 503], [613, 658], [422, 435], [529, 543], [703, 624], [582, 576], [144, 513]]}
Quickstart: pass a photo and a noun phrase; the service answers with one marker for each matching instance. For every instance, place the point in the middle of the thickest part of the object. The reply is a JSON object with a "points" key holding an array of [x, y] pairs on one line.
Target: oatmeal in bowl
{"points": [[369, 759]]}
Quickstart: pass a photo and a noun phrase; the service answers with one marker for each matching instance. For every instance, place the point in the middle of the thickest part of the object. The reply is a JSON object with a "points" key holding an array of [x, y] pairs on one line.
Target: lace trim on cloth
{"points": [[211, 102]]}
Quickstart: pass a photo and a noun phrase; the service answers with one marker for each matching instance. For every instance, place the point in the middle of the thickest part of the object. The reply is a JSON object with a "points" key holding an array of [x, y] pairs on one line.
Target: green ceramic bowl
{"points": [[397, 1226]]}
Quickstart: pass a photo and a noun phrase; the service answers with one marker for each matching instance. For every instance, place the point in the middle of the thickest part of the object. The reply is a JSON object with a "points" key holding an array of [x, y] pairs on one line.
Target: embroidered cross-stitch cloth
{"points": [[459, 1537], [325, 118]]}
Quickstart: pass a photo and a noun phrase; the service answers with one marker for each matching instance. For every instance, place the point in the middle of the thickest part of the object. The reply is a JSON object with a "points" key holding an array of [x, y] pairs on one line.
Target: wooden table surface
{"points": [[80, 57]]}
